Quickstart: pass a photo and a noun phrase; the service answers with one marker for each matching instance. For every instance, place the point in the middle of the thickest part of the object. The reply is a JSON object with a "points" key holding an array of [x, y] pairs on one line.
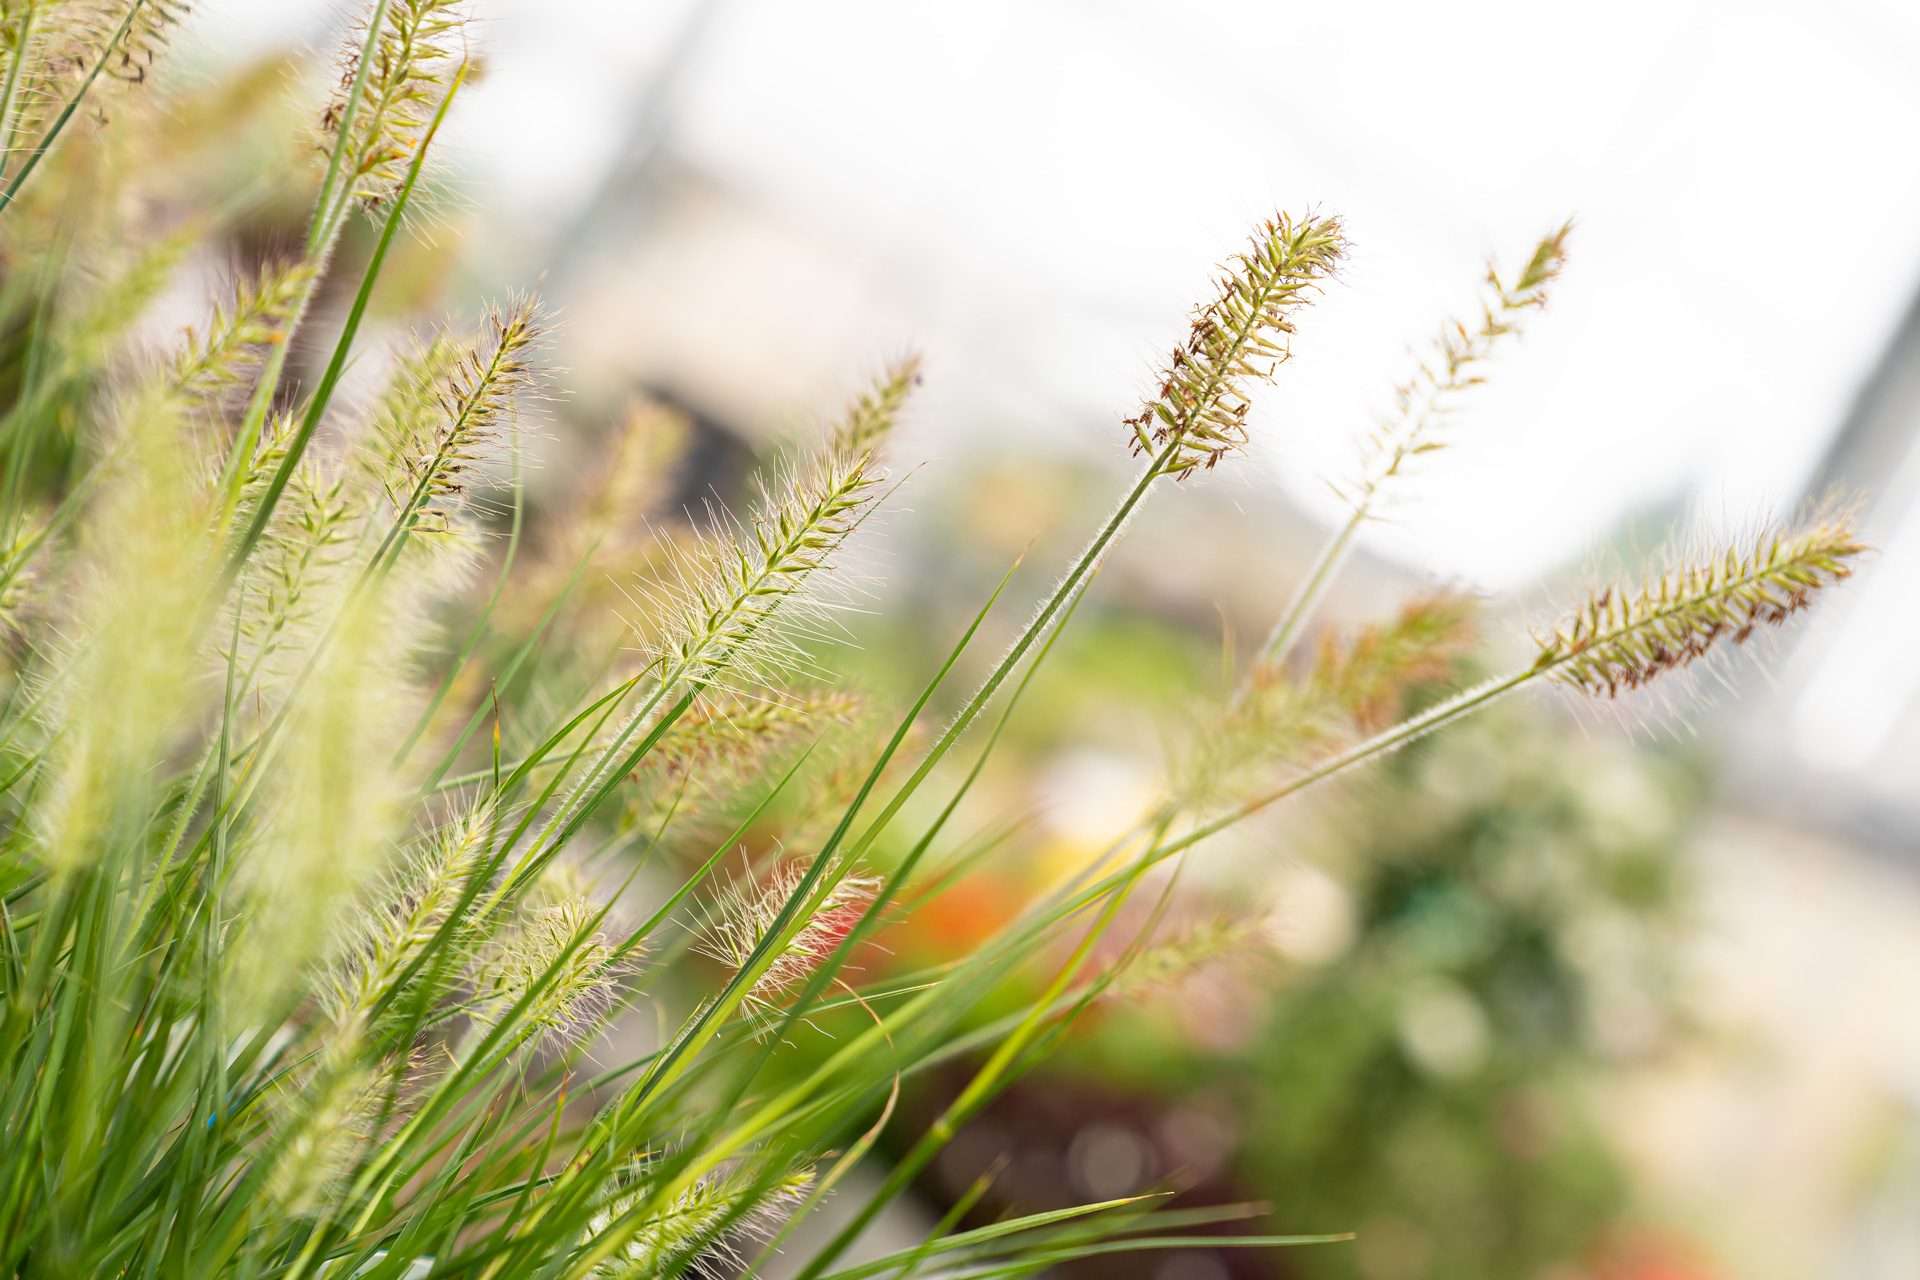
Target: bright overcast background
{"points": [[1034, 192]]}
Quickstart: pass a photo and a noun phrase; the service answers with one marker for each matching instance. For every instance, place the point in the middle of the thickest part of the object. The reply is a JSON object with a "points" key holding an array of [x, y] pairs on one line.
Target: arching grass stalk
{"points": [[1615, 640], [897, 877], [1423, 405]]}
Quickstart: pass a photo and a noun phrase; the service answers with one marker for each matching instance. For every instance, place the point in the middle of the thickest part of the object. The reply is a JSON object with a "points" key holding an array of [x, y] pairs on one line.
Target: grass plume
{"points": [[402, 72], [228, 350], [1622, 639], [870, 420], [747, 913], [1237, 339]]}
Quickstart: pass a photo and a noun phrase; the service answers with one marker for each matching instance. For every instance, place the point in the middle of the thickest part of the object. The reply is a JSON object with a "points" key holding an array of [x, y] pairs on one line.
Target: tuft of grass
{"points": [[315, 921]]}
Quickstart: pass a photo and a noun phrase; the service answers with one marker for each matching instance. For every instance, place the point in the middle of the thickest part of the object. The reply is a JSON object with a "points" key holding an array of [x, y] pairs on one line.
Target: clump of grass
{"points": [[300, 977]]}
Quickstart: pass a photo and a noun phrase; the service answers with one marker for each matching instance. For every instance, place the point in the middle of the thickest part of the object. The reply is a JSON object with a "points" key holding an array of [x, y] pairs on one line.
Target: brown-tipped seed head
{"points": [[1621, 641], [146, 32], [1240, 337], [1369, 674], [414, 55], [443, 410]]}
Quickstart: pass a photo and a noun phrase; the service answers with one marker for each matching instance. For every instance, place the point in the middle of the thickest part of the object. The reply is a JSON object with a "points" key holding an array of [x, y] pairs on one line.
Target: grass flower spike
{"points": [[1237, 339], [1369, 674], [871, 419], [553, 972], [421, 901], [52, 56], [148, 24], [1621, 640], [743, 916], [1426, 402], [415, 45], [728, 591], [709, 1223], [260, 316]]}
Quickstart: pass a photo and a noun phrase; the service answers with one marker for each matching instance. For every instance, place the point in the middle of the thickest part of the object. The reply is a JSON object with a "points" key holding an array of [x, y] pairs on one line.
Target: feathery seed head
{"points": [[1356, 683], [725, 730], [554, 947], [260, 316], [639, 473], [149, 24], [722, 593], [18, 573], [296, 569], [126, 687], [63, 39], [442, 411], [870, 420], [1622, 639], [338, 808], [1424, 403], [483, 386], [1169, 962], [417, 906], [1368, 676], [407, 416], [1239, 338], [99, 322], [745, 913], [330, 1120], [723, 742], [1542, 269], [707, 1222], [415, 53]]}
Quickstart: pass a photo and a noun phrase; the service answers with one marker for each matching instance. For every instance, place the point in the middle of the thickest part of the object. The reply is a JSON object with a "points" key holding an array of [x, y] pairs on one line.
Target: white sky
{"points": [[1048, 184]]}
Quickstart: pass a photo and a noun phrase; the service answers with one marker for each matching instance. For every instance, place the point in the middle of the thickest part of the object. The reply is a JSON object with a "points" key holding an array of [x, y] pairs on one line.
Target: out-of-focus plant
{"points": [[303, 954], [1403, 1029], [1511, 899]]}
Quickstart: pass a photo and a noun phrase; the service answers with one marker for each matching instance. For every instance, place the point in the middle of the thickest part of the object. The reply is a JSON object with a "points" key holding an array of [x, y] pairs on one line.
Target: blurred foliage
{"points": [[1484, 926], [1515, 894], [1450, 952]]}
